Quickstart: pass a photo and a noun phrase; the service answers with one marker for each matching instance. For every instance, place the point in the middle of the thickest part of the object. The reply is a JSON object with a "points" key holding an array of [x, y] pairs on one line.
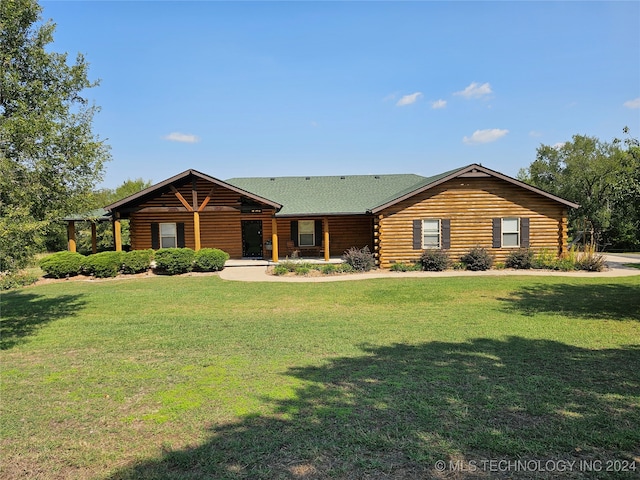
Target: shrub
{"points": [[289, 265], [544, 259], [136, 261], [280, 270], [62, 264], [173, 261], [405, 267], [104, 264], [328, 269], [17, 280], [344, 268], [591, 261], [520, 259], [360, 259], [477, 259], [434, 260], [210, 259], [303, 269]]}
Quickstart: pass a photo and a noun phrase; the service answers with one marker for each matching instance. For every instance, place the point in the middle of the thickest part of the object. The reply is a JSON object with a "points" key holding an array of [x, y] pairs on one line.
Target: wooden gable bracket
{"points": [[181, 198], [206, 200]]}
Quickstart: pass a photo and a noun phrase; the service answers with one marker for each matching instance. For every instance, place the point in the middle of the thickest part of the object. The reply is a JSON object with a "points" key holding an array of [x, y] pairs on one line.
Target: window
{"points": [[168, 235], [510, 232], [306, 233], [430, 233]]}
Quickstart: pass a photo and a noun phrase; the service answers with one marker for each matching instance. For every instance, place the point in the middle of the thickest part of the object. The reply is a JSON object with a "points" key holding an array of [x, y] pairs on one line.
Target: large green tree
{"points": [[50, 160], [600, 176]]}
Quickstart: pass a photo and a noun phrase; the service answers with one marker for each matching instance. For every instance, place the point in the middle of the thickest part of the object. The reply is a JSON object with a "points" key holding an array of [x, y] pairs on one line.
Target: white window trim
{"points": [[503, 232], [313, 233], [439, 233], [174, 236]]}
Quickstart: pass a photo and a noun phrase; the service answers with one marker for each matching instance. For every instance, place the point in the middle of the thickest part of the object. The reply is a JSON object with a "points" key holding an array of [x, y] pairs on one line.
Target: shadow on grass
{"points": [[396, 410], [613, 301], [23, 313]]}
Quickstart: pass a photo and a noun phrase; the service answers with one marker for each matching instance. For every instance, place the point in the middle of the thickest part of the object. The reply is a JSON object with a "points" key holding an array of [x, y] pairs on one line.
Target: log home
{"points": [[396, 216]]}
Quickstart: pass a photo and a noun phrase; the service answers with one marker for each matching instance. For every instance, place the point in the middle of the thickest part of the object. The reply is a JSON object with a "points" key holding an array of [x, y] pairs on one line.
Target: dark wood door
{"points": [[252, 238]]}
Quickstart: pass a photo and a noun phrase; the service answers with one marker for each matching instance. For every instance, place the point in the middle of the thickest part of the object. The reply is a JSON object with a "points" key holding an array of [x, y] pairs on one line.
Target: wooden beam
{"points": [[206, 200], [94, 239], [274, 240], [325, 228], [194, 194], [117, 234], [71, 236], [181, 198], [196, 230]]}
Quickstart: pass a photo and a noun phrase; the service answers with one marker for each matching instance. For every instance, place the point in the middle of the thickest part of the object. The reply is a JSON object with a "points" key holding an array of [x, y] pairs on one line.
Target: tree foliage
{"points": [[50, 159], [603, 178]]}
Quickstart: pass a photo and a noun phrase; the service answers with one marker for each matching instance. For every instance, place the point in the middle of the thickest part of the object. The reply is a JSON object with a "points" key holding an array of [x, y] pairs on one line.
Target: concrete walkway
{"points": [[239, 271]]}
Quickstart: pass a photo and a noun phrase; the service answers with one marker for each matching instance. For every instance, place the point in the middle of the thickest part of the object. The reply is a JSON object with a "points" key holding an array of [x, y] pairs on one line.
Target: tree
{"points": [[49, 158], [600, 176]]}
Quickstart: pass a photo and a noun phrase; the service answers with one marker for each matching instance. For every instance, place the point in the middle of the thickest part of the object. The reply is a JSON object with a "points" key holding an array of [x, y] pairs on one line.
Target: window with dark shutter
{"points": [[318, 232], [497, 232], [155, 236], [524, 232], [180, 235], [446, 233], [417, 234], [294, 232]]}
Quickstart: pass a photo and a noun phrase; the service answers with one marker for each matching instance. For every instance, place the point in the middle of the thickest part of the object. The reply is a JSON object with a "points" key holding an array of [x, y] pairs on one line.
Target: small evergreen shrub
{"points": [[104, 264], [520, 259], [360, 259], [136, 261], [174, 261], [17, 280], [434, 260], [477, 259], [62, 264], [210, 259]]}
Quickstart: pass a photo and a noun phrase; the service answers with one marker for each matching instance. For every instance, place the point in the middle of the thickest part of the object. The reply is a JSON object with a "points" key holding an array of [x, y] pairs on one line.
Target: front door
{"points": [[252, 238]]}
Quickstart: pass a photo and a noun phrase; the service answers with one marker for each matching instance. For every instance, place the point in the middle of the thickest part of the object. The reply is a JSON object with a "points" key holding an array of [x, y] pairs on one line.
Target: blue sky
{"points": [[335, 88]]}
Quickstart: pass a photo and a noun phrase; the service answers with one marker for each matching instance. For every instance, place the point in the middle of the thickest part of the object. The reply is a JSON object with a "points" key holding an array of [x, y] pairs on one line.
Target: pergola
{"points": [[94, 217]]}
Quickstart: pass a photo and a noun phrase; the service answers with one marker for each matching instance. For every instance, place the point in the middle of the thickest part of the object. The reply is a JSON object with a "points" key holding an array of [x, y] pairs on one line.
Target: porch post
{"points": [[94, 242], [117, 233], [274, 240], [196, 229], [71, 236], [325, 227]]}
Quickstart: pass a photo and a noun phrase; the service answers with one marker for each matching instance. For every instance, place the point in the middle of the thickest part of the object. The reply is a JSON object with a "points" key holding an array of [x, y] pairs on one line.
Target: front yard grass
{"points": [[196, 377]]}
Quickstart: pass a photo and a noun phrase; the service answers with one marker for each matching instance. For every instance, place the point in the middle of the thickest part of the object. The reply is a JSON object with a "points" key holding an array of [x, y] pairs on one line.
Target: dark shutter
{"points": [[294, 232], [318, 232], [180, 232], [497, 232], [446, 233], [524, 232], [155, 236], [417, 234]]}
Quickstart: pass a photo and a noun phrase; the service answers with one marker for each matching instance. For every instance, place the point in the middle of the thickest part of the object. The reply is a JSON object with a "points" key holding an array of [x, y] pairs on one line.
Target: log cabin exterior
{"points": [[396, 216]]}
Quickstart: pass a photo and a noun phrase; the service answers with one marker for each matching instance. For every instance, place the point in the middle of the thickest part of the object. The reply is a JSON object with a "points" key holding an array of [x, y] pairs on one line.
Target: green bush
{"points": [[17, 280], [344, 268], [477, 259], [210, 259], [174, 261], [62, 264], [137, 261], [280, 270], [303, 269], [360, 259], [520, 259], [545, 259], [104, 264], [328, 269], [434, 260], [405, 267]]}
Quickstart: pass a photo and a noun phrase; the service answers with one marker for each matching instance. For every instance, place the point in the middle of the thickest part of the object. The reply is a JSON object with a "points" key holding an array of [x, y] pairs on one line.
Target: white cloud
{"points": [[475, 90], [182, 137], [635, 103], [409, 99], [438, 104], [485, 136]]}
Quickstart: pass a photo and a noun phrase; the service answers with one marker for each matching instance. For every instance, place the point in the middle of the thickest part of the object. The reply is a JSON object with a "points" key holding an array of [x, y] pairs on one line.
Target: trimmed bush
{"points": [[210, 259], [477, 259], [360, 259], [137, 261], [104, 264], [174, 261], [434, 260], [62, 264], [520, 259]]}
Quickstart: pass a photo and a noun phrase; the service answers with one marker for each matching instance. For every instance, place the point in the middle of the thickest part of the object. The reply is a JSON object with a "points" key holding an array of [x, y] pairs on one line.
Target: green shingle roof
{"points": [[347, 194], [98, 215]]}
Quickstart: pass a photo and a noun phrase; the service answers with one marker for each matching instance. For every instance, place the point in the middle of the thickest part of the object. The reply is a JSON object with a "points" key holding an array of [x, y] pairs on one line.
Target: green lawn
{"points": [[195, 377]]}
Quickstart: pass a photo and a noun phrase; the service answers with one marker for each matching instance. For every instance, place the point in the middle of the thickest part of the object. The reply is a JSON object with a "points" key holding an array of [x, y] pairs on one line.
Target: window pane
{"points": [[168, 242], [306, 240], [431, 226], [431, 241], [168, 229], [306, 226], [510, 240], [510, 225]]}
